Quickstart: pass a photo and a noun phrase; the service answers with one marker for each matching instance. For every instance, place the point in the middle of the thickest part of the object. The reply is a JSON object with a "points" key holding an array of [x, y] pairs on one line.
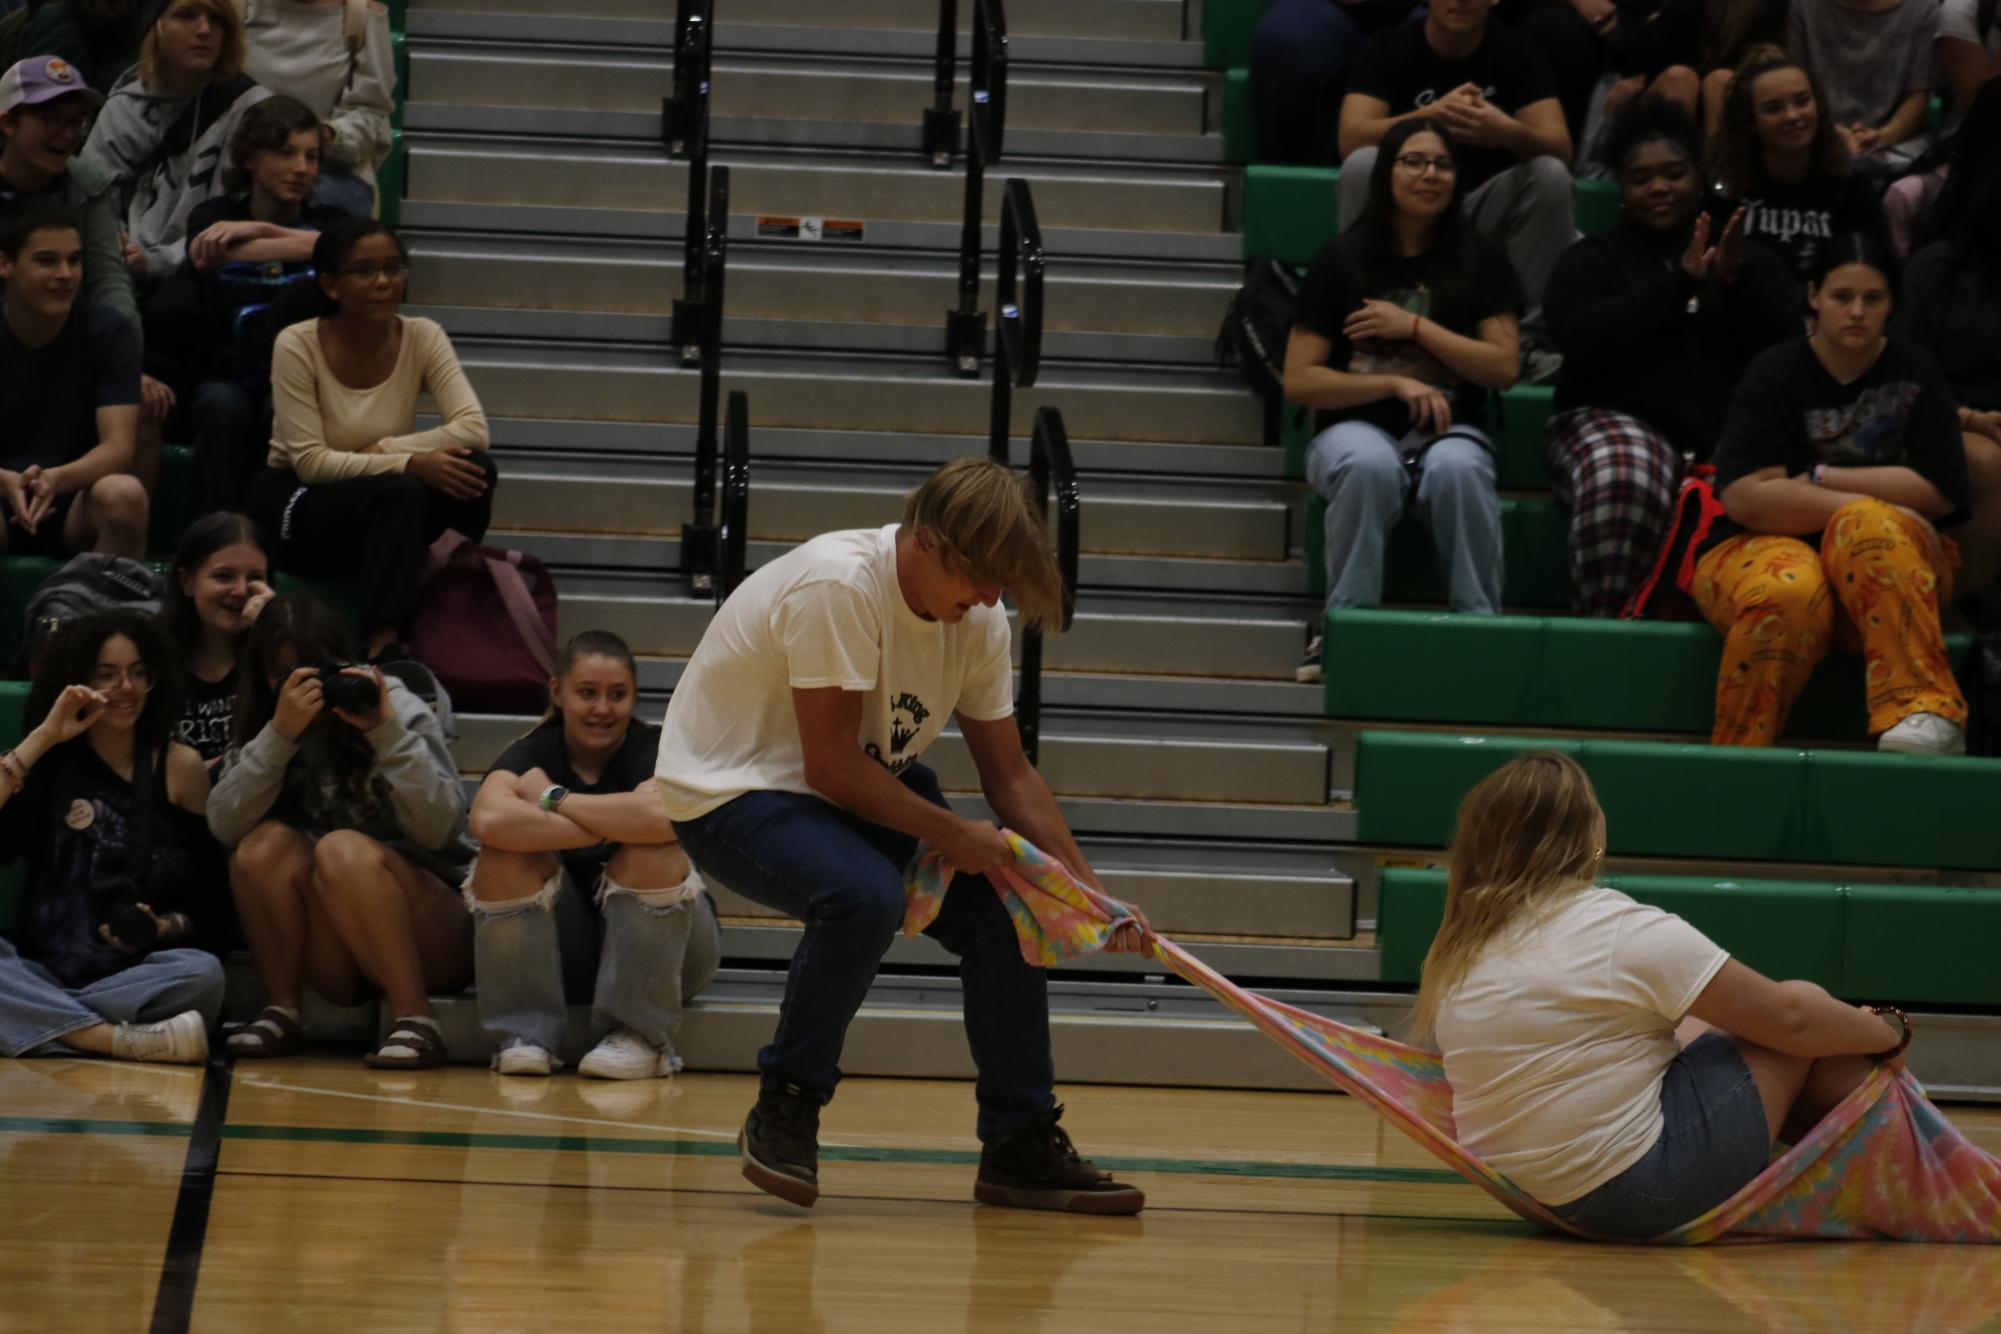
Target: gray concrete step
{"points": [[495, 170], [637, 383], [883, 93], [802, 283]]}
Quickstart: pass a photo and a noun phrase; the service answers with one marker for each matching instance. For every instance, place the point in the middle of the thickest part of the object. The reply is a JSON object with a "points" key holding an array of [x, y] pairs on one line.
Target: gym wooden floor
{"points": [[349, 1199]]}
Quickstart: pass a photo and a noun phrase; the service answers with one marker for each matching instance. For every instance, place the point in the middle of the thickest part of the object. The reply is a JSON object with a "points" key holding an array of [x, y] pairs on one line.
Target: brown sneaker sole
{"points": [[1119, 1200], [789, 1188]]}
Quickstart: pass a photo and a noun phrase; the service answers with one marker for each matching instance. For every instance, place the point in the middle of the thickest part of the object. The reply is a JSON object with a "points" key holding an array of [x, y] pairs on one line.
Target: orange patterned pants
{"points": [[1874, 587]]}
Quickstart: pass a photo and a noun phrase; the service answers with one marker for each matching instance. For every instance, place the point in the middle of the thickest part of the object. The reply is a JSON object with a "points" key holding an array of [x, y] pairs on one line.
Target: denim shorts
{"points": [[1713, 1141]]}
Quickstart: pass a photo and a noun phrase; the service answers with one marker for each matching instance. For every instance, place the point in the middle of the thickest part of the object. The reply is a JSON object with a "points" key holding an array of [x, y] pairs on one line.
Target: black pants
{"points": [[375, 529]]}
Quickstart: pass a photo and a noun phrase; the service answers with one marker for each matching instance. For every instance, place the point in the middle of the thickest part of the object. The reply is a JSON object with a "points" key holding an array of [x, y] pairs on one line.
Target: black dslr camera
{"points": [[114, 905], [355, 694]]}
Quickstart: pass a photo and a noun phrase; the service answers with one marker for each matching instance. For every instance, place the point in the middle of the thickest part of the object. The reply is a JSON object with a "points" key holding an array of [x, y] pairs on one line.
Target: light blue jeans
{"points": [[636, 960], [36, 1009], [1359, 469]]}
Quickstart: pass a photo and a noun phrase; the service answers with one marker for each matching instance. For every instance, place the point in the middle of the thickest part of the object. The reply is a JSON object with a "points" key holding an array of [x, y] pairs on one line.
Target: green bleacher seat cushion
{"points": [[1289, 212], [1672, 800], [1226, 31], [1239, 130], [1597, 206], [173, 500]]}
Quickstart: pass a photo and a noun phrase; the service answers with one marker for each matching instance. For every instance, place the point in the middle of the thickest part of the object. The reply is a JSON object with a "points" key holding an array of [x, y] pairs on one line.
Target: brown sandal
{"points": [[272, 1033], [423, 1047]]}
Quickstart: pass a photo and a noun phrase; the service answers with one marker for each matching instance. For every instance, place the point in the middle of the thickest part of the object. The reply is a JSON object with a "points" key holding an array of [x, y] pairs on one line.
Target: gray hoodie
{"points": [[414, 798], [162, 181]]}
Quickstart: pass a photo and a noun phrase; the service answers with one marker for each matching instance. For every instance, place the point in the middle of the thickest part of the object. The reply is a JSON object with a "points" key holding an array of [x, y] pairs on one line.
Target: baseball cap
{"points": [[43, 79]]}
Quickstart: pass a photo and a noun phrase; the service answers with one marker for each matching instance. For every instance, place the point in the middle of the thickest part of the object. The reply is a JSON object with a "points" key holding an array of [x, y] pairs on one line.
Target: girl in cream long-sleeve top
{"points": [[352, 486]]}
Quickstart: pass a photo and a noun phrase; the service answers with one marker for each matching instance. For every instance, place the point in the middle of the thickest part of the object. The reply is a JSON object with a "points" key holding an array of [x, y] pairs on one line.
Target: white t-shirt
{"points": [[827, 613], [1556, 1042]]}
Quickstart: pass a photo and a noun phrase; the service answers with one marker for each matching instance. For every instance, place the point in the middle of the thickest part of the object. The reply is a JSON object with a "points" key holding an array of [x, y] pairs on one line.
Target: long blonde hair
{"points": [[985, 522], [1527, 837]]}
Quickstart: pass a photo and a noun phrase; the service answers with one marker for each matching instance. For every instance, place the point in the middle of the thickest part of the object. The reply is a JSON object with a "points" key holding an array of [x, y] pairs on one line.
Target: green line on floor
{"points": [[684, 1148]]}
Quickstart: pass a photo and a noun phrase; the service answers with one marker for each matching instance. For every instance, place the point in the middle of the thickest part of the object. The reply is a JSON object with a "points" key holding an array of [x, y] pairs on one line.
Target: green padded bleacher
{"points": [[1664, 799], [1534, 534], [1559, 671], [1239, 131], [1908, 944], [173, 500]]}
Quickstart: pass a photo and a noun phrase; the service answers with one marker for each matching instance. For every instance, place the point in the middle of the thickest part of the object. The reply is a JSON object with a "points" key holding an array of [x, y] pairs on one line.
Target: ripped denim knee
{"points": [[543, 898], [660, 901]]}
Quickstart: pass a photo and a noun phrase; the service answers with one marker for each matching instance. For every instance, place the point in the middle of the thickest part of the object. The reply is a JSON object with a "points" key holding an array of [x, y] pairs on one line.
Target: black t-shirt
{"points": [[545, 749], [207, 714], [236, 208], [1789, 412], [1795, 220], [1398, 66], [9, 192], [1331, 291], [49, 395]]}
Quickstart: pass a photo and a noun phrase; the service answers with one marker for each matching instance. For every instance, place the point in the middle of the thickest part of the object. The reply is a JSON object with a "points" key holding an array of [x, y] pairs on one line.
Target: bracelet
{"points": [[1819, 472], [1903, 1023], [10, 764], [1416, 323]]}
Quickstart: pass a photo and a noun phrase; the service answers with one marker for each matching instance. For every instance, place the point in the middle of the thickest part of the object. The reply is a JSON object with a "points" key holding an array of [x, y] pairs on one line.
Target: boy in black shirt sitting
{"points": [[69, 397]]}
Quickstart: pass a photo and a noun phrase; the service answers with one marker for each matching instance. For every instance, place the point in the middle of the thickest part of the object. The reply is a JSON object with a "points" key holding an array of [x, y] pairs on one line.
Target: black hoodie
{"points": [[1639, 336]]}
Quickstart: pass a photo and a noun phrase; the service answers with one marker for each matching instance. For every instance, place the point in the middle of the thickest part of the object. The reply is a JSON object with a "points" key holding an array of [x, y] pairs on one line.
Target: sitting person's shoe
{"points": [[780, 1144], [625, 1055], [274, 1032], [181, 1040], [525, 1058], [1308, 671], [1039, 1168], [1924, 734], [414, 1042]]}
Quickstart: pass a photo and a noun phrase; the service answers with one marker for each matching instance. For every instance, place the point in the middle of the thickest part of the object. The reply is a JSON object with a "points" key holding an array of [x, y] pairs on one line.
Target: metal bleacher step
{"points": [[1088, 755], [751, 99], [637, 382], [512, 169], [1154, 635], [789, 295], [1150, 33], [1149, 458], [620, 493], [1200, 575]]}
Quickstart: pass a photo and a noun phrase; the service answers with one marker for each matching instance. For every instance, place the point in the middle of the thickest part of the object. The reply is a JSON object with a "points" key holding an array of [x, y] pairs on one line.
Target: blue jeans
{"points": [[1713, 1141], [1360, 470], [636, 961], [843, 878], [36, 1009]]}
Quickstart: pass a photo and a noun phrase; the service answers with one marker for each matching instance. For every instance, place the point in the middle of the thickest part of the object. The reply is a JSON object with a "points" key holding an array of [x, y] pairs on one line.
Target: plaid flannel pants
{"points": [[1618, 477]]}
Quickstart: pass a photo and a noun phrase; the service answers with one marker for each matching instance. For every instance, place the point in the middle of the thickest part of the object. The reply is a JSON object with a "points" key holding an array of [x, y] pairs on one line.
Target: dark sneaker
{"points": [[1308, 671], [1038, 1168], [780, 1144]]}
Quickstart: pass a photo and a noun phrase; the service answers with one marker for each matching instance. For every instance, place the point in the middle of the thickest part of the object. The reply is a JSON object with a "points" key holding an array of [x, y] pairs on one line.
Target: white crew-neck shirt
{"points": [[827, 613], [1557, 1040]]}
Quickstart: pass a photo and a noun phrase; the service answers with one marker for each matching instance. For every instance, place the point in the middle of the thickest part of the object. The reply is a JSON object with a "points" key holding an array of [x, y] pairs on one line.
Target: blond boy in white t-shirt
{"points": [[789, 766]]}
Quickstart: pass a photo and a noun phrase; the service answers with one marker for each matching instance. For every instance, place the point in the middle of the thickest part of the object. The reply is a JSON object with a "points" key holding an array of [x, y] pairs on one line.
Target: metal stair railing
{"points": [[1049, 465], [684, 130], [733, 533], [1018, 303], [698, 537], [965, 324]]}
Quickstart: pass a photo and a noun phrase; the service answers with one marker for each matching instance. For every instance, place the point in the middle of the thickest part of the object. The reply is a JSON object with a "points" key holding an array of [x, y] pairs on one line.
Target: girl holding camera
{"points": [[106, 810], [347, 823]]}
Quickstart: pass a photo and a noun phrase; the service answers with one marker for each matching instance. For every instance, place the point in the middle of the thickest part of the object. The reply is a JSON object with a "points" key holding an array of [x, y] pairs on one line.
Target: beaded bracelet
{"points": [[10, 764], [1903, 1023]]}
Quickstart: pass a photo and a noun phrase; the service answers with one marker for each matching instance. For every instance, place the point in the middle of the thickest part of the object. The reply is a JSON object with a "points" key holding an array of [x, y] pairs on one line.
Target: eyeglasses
{"points": [[106, 679], [1415, 163], [57, 124], [368, 273]]}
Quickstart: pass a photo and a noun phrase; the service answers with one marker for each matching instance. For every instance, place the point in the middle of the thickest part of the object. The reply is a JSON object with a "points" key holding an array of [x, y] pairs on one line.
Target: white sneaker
{"points": [[626, 1055], [1308, 671], [182, 1040], [524, 1058], [1924, 734]]}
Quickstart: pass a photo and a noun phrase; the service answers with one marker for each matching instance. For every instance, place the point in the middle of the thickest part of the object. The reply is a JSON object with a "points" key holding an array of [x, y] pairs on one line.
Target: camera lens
{"points": [[355, 694]]}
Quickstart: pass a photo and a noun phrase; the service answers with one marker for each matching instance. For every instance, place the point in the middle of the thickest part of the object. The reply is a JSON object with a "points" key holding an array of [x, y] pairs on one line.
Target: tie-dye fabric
{"points": [[1884, 1164]]}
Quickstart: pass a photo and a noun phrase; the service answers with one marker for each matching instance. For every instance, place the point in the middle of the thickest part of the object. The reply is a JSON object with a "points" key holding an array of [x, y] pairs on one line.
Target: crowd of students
{"points": [[195, 253], [1776, 375]]}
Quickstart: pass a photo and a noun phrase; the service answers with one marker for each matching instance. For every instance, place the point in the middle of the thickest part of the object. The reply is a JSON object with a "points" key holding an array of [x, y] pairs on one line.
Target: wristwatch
{"points": [[553, 796]]}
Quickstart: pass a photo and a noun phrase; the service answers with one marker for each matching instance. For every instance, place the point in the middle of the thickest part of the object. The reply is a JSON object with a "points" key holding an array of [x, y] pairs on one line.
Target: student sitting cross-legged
{"points": [[580, 890]]}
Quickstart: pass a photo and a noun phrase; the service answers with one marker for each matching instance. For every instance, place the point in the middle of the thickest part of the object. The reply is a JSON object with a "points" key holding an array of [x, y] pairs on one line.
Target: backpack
{"points": [[1255, 326], [91, 582], [486, 626], [1664, 596], [1982, 677], [238, 305]]}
